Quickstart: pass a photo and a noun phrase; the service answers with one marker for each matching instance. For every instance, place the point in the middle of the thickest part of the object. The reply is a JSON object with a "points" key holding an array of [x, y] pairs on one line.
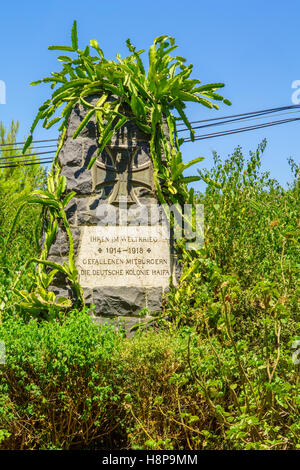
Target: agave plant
{"points": [[154, 99]]}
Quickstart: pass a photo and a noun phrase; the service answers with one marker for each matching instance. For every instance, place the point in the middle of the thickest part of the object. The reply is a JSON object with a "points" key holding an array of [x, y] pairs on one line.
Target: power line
{"points": [[26, 155], [229, 121], [240, 116], [16, 149], [221, 121], [25, 164], [33, 142], [241, 129], [20, 162]]}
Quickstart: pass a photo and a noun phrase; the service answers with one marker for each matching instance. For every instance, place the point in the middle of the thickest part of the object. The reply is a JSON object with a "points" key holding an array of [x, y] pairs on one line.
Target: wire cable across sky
{"points": [[8, 161], [34, 141], [34, 162], [241, 129], [249, 114]]}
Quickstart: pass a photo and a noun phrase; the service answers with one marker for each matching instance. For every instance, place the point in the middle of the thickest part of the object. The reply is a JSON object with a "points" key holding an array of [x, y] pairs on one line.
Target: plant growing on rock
{"points": [[154, 99]]}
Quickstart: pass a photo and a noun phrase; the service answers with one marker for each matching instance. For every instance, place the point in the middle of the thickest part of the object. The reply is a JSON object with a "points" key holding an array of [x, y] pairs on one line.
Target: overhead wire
{"points": [[35, 162], [16, 149], [241, 129], [229, 121], [26, 155], [34, 141], [264, 111], [8, 160]]}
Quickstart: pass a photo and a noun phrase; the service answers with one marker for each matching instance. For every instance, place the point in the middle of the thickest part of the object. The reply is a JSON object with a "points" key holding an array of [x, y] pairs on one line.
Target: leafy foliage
{"points": [[16, 183], [66, 364], [68, 384], [38, 299], [217, 374], [152, 99], [215, 370]]}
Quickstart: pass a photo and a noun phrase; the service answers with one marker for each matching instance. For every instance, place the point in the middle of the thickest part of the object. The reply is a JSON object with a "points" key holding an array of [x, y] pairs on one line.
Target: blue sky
{"points": [[251, 46]]}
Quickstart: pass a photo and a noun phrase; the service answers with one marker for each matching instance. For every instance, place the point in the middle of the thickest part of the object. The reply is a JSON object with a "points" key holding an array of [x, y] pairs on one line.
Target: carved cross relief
{"points": [[124, 174]]}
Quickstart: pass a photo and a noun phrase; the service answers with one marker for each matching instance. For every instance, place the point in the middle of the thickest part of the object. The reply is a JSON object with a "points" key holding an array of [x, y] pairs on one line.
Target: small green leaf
{"points": [[64, 58], [83, 123], [61, 48], [94, 44], [52, 122], [35, 83], [193, 162], [191, 179], [27, 143], [68, 198], [74, 36]]}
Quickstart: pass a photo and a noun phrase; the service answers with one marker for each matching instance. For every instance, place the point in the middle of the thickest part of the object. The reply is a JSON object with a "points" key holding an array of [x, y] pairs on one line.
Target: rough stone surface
{"points": [[72, 152], [61, 292], [88, 296], [78, 179], [125, 301], [71, 212], [118, 301]]}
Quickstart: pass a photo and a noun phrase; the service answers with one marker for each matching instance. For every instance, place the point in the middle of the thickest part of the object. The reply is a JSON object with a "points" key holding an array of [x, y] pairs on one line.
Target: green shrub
{"points": [[252, 236], [70, 384], [252, 223], [219, 375], [56, 386]]}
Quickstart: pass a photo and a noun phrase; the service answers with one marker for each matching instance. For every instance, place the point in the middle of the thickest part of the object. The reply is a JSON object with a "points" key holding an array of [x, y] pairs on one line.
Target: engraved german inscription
{"points": [[124, 256]]}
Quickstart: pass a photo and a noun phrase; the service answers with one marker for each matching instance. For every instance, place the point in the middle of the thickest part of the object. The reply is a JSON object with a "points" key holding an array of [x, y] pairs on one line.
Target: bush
{"points": [[56, 386], [69, 384], [216, 370]]}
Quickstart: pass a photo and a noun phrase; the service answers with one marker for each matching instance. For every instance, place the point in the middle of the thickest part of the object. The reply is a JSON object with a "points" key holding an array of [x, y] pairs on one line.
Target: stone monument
{"points": [[123, 252]]}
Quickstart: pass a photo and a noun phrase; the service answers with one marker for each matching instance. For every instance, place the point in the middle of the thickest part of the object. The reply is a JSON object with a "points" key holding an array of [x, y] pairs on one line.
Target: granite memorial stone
{"points": [[123, 252]]}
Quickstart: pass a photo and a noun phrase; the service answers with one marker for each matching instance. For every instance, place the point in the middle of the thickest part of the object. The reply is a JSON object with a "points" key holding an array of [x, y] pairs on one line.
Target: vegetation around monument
{"points": [[214, 372], [152, 99]]}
